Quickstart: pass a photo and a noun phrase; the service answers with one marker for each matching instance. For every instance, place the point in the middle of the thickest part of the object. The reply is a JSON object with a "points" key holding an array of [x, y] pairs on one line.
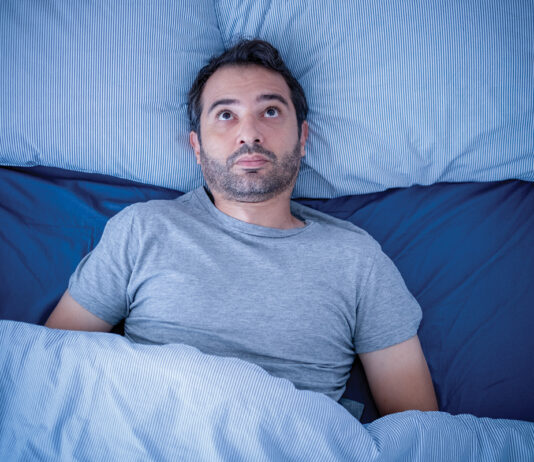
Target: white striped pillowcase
{"points": [[102, 86], [400, 93], [403, 93]]}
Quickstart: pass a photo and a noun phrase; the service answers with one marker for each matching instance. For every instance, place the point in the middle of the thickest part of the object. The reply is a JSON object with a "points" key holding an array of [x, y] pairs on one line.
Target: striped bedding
{"points": [[93, 396], [400, 93]]}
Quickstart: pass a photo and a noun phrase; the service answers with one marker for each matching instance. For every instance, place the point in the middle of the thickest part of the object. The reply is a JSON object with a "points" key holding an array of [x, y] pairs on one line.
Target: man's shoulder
{"points": [[158, 206], [330, 225], [153, 209]]}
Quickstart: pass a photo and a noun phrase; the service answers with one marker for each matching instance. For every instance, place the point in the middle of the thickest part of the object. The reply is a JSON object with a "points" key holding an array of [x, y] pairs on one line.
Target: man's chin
{"points": [[251, 193], [249, 196], [250, 187]]}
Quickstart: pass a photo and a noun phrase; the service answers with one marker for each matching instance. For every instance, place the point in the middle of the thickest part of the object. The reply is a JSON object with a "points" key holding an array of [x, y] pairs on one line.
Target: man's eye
{"points": [[224, 115], [271, 112]]}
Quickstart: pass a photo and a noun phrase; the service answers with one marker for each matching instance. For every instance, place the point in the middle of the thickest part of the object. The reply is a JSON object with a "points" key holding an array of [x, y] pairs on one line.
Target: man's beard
{"points": [[251, 185]]}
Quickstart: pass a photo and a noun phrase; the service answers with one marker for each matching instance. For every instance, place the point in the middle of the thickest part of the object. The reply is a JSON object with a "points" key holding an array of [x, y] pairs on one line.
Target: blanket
{"points": [[68, 395]]}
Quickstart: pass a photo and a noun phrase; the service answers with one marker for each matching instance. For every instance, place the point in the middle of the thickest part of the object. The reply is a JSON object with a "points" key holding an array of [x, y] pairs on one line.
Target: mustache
{"points": [[250, 149]]}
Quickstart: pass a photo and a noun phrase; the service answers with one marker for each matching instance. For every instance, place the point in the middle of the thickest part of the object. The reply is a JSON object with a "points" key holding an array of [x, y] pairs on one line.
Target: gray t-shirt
{"points": [[299, 302]]}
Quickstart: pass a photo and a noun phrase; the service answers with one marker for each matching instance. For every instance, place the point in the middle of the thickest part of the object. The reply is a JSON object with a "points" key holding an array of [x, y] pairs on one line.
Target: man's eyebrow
{"points": [[271, 96], [222, 102]]}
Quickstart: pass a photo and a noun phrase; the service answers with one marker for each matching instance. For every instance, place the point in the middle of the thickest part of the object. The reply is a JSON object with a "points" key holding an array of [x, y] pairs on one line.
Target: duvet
{"points": [[68, 395]]}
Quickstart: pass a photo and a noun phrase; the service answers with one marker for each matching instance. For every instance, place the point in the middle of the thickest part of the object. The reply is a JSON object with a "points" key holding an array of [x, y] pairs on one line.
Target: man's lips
{"points": [[254, 160]]}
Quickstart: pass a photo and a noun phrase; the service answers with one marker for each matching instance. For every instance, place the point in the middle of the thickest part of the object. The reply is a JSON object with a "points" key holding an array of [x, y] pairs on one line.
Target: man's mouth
{"points": [[252, 161]]}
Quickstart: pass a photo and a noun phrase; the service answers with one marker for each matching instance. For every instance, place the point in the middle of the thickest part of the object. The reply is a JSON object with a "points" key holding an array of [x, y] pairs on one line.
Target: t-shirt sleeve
{"points": [[387, 313], [100, 281]]}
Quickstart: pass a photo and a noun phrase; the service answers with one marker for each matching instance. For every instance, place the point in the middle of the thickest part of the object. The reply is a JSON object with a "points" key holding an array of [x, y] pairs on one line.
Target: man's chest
{"points": [[249, 298]]}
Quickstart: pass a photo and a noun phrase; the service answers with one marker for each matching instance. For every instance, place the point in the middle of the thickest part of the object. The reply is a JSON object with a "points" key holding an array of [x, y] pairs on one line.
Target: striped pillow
{"points": [[403, 93], [102, 86]]}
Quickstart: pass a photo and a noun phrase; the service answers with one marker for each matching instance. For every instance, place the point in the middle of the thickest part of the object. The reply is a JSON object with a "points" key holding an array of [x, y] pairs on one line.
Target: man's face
{"points": [[249, 148]]}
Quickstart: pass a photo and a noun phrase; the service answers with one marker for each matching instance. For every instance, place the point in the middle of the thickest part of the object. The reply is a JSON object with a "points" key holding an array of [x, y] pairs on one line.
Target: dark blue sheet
{"points": [[466, 252]]}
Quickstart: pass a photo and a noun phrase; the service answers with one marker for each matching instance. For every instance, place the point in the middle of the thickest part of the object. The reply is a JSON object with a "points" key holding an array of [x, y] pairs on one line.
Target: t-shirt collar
{"points": [[242, 226]]}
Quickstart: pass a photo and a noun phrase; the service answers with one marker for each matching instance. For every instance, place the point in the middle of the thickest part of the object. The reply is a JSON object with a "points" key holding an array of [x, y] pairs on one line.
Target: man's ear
{"points": [[303, 138], [195, 144]]}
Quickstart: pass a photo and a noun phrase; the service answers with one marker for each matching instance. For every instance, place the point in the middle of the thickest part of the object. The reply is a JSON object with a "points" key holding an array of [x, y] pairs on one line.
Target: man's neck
{"points": [[272, 213]]}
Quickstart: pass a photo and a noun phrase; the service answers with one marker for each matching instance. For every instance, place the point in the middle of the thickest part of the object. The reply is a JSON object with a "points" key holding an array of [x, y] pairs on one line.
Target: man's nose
{"points": [[249, 131]]}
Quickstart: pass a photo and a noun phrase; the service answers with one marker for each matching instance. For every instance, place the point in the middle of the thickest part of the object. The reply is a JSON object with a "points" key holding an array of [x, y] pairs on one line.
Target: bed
{"points": [[421, 133]]}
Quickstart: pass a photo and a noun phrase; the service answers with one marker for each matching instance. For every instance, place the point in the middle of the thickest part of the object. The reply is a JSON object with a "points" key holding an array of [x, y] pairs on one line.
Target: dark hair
{"points": [[246, 52]]}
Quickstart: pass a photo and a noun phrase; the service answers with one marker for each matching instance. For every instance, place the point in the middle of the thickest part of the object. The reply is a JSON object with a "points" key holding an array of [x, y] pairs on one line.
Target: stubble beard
{"points": [[252, 185]]}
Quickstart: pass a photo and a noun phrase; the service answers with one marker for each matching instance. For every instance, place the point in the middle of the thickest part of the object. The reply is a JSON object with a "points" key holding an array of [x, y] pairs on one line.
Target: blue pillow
{"points": [[102, 86], [403, 93], [466, 253], [50, 220]]}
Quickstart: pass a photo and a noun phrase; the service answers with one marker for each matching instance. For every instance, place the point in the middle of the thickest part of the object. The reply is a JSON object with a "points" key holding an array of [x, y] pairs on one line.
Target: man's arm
{"points": [[399, 378], [70, 315]]}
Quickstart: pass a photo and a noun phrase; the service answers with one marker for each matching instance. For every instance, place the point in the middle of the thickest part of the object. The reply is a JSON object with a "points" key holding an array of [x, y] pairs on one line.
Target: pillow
{"points": [[51, 219], [102, 86], [403, 93], [465, 252]]}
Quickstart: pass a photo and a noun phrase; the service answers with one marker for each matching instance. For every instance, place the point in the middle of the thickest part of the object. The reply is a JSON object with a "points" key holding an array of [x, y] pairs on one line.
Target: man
{"points": [[238, 269]]}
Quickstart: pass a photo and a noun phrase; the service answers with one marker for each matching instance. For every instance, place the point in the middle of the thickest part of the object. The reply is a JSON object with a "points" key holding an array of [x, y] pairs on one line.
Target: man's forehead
{"points": [[239, 82]]}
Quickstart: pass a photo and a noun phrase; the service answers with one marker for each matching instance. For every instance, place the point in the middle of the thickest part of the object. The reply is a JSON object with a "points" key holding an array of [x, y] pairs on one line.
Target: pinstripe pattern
{"points": [[400, 93], [88, 396], [404, 93], [102, 86]]}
